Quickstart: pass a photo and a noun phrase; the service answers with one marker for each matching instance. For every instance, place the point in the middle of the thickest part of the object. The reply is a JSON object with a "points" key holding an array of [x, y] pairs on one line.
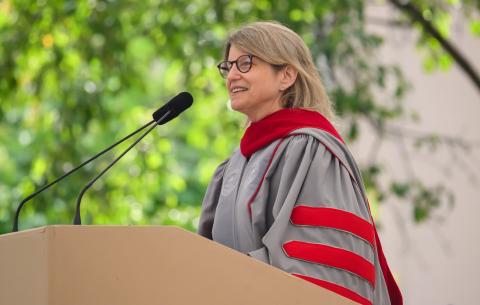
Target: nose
{"points": [[233, 74]]}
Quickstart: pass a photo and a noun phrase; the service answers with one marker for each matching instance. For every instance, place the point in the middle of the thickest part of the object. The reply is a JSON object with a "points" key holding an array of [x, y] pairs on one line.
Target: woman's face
{"points": [[256, 93]]}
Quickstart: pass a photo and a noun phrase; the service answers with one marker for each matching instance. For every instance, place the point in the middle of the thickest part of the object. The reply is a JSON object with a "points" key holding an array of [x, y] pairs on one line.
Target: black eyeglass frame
{"points": [[225, 66]]}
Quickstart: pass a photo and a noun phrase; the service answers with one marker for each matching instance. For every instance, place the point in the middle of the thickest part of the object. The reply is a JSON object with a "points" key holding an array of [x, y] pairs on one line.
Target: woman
{"points": [[292, 195]]}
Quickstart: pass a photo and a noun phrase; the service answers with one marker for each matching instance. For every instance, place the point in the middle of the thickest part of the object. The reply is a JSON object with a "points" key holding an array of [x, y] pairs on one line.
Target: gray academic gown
{"points": [[299, 204]]}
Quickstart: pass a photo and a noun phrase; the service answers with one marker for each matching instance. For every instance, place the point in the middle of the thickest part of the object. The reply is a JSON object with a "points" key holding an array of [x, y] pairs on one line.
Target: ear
{"points": [[288, 77]]}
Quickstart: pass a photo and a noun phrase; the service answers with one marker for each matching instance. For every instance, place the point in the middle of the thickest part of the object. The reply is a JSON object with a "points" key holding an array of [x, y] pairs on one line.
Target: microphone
{"points": [[173, 108], [168, 112], [181, 101]]}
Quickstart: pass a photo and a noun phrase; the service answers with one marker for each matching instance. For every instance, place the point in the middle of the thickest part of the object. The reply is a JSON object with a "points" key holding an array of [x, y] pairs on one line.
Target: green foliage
{"points": [[475, 27], [76, 75], [82, 73], [440, 13]]}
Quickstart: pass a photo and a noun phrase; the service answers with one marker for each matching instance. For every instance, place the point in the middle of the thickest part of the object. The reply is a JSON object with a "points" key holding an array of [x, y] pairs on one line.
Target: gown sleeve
{"points": [[210, 201], [319, 224]]}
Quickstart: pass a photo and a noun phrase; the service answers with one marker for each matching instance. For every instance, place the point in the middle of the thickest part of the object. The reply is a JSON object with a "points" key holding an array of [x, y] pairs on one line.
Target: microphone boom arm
{"points": [[77, 219], [166, 113], [17, 213]]}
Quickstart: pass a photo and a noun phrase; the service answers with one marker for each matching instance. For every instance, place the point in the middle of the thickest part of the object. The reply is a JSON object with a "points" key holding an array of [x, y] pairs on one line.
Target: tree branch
{"points": [[416, 17], [374, 20], [453, 141]]}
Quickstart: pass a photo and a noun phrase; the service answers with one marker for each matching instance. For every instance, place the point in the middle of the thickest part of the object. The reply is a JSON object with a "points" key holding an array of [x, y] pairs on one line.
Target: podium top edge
{"points": [[48, 228]]}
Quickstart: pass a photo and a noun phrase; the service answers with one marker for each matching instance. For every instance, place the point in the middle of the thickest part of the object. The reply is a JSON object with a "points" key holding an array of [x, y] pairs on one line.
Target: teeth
{"points": [[234, 90]]}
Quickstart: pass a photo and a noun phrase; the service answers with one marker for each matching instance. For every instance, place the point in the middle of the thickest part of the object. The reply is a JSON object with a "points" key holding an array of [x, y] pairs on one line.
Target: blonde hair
{"points": [[280, 46]]}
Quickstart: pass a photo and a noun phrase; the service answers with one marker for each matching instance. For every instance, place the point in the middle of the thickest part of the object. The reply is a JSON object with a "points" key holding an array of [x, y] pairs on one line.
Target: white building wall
{"points": [[436, 262]]}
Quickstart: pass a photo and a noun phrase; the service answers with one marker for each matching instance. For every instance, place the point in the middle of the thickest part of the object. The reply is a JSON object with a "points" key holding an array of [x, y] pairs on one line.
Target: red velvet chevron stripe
{"points": [[335, 219], [332, 257], [345, 292]]}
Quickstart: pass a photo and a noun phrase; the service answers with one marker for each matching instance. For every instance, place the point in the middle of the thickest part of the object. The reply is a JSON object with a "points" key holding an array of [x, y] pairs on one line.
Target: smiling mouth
{"points": [[238, 89]]}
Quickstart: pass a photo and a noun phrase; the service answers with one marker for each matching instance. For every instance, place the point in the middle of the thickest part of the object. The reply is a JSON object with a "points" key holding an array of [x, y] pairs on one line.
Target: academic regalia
{"points": [[292, 196]]}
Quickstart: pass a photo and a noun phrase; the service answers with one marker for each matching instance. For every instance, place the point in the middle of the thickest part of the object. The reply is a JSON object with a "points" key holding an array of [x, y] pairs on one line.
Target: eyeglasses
{"points": [[243, 63]]}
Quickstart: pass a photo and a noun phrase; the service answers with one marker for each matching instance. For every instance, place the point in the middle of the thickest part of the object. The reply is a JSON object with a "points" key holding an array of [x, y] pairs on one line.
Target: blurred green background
{"points": [[77, 75]]}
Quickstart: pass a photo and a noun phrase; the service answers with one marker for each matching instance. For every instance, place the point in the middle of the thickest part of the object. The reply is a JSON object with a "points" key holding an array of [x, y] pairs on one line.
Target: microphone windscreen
{"points": [[174, 107]]}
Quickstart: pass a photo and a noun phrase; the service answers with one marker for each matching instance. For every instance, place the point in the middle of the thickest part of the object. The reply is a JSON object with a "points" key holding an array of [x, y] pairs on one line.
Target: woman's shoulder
{"points": [[220, 170], [321, 136], [318, 138], [221, 167], [314, 143]]}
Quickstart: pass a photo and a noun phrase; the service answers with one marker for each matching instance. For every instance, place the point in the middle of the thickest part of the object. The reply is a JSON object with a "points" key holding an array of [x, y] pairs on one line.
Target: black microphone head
{"points": [[173, 108]]}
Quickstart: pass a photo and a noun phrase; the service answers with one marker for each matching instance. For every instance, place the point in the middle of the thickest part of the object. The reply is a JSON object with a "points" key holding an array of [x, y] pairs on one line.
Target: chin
{"points": [[236, 105]]}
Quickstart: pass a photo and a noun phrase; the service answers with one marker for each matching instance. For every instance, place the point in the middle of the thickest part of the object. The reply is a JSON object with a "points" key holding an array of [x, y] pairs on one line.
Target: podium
{"points": [[119, 265]]}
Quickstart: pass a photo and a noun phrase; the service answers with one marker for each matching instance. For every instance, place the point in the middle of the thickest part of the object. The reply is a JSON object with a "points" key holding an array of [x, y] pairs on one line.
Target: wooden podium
{"points": [[140, 265]]}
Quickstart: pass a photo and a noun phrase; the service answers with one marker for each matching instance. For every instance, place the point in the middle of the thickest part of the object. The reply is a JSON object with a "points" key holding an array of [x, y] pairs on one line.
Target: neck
{"points": [[259, 114]]}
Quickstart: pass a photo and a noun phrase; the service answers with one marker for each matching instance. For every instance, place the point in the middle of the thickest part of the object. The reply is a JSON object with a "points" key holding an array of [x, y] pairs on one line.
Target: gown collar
{"points": [[279, 124]]}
